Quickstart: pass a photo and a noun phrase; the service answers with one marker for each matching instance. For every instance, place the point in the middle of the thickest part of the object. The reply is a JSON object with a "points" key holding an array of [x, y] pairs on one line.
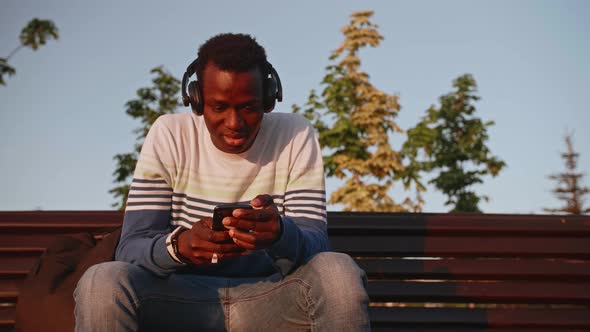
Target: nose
{"points": [[234, 120]]}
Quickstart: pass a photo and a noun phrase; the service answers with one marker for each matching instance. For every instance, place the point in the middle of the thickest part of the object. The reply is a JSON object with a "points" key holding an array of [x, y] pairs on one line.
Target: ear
{"points": [[269, 109]]}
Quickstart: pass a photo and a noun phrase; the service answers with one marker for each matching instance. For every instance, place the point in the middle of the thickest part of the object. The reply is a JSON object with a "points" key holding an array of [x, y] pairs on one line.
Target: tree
{"points": [[451, 140], [356, 144], [36, 33], [151, 102], [569, 183]]}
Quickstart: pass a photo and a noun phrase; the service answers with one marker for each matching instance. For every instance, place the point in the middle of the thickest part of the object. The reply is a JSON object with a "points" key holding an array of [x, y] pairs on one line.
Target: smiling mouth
{"points": [[234, 141]]}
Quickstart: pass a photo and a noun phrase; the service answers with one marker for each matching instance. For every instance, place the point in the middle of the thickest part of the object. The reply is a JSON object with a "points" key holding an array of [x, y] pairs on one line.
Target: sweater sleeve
{"points": [[304, 222], [147, 215]]}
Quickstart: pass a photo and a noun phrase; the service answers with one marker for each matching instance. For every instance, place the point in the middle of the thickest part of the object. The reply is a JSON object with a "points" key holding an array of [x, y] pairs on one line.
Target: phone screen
{"points": [[222, 211]]}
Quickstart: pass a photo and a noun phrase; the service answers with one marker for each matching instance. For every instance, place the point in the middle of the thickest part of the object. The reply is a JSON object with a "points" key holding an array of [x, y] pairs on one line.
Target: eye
{"points": [[253, 107], [218, 107]]}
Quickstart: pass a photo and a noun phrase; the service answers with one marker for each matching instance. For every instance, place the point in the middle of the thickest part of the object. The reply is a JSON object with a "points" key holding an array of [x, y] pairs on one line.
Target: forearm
{"points": [[143, 241]]}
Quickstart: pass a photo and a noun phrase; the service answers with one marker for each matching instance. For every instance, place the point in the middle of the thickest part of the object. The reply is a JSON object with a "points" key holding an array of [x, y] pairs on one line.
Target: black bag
{"points": [[45, 301]]}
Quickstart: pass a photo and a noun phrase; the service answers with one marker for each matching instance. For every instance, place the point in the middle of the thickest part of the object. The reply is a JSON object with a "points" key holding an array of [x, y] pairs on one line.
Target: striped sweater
{"points": [[181, 176]]}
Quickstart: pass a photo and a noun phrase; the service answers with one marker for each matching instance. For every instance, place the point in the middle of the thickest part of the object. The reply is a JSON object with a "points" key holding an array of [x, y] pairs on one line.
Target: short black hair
{"points": [[232, 52]]}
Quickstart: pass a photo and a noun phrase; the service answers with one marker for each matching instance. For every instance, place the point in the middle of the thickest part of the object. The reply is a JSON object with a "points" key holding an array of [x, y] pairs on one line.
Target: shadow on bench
{"points": [[427, 272]]}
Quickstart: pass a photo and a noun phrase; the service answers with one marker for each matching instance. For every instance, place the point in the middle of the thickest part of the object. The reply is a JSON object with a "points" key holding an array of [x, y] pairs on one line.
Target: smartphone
{"points": [[225, 210]]}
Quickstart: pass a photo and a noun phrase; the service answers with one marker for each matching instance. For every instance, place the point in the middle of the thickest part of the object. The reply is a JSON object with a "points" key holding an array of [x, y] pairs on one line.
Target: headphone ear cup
{"points": [[270, 95], [195, 97]]}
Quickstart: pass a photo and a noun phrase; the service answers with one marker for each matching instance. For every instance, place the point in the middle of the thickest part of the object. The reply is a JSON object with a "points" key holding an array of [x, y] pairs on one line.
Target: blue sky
{"points": [[62, 115]]}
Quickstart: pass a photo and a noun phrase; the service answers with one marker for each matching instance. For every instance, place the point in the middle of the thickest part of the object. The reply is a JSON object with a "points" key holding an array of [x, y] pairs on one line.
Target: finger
{"points": [[261, 201], [255, 215], [202, 230], [244, 244], [250, 225], [207, 221], [256, 239]]}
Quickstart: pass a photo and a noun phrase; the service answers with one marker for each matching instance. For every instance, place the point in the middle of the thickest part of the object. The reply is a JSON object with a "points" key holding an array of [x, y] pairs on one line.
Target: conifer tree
{"points": [[354, 120], [450, 142], [569, 183]]}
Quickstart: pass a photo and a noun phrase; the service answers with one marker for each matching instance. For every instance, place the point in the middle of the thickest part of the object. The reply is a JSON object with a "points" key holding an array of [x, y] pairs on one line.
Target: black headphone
{"points": [[273, 89]]}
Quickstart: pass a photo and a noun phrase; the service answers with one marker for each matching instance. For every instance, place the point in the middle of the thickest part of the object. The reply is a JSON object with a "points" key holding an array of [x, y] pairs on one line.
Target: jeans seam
{"points": [[310, 305], [308, 298], [298, 281]]}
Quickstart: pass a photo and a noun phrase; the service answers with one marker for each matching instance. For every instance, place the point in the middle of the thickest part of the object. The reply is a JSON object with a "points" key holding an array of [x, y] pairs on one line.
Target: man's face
{"points": [[233, 107]]}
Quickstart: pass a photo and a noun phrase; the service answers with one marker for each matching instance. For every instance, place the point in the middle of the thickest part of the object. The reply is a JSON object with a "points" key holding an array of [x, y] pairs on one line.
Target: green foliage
{"points": [[151, 102], [5, 69], [569, 183], [451, 140], [36, 33], [354, 120]]}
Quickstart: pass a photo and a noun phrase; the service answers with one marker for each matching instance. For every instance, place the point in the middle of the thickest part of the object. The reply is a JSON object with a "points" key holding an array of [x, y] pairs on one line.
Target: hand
{"points": [[258, 228], [199, 243]]}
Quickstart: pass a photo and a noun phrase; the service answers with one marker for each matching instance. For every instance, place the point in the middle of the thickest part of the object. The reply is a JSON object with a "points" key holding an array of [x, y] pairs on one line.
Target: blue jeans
{"points": [[326, 294]]}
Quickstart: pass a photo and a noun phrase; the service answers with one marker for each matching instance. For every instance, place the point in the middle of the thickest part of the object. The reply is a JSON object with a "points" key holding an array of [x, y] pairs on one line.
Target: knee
{"points": [[339, 276], [336, 266], [102, 284]]}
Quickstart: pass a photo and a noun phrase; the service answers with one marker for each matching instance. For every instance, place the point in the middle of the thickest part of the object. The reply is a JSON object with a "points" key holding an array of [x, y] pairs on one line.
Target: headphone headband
{"points": [[273, 89]]}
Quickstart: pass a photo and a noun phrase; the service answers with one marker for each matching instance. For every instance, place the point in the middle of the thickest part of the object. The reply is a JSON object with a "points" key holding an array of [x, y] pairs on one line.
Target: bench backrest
{"points": [[427, 272]]}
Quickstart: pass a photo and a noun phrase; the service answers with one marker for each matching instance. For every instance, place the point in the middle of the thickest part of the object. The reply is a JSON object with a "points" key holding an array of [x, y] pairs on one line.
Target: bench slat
{"points": [[457, 224], [34, 219], [493, 317], [451, 292], [7, 317], [489, 269], [469, 246], [527, 292], [17, 265], [419, 269], [9, 289], [395, 245], [348, 222], [26, 243], [442, 328]]}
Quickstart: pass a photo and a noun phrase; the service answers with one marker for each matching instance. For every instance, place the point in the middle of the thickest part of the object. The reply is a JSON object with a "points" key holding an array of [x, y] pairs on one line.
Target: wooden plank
{"points": [[9, 289], [457, 224], [464, 246], [17, 265], [348, 222], [526, 292], [571, 318], [468, 329], [7, 317], [488, 269], [440, 328], [33, 219], [25, 243]]}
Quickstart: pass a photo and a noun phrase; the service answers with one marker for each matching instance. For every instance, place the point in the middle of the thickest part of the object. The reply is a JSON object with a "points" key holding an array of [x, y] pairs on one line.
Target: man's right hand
{"points": [[199, 243]]}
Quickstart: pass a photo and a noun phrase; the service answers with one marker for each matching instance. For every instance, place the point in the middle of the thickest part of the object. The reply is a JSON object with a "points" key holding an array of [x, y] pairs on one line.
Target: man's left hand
{"points": [[258, 228]]}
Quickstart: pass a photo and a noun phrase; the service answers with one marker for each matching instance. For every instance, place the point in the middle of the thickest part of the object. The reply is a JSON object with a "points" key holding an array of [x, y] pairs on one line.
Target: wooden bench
{"points": [[427, 272]]}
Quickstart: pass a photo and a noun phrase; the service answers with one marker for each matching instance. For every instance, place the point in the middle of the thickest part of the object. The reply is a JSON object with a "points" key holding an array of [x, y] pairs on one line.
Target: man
{"points": [[269, 269]]}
